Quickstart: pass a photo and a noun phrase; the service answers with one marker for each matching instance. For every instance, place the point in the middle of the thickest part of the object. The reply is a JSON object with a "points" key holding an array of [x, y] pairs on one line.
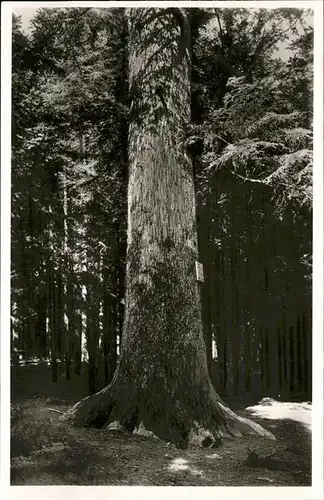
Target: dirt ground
{"points": [[45, 451]]}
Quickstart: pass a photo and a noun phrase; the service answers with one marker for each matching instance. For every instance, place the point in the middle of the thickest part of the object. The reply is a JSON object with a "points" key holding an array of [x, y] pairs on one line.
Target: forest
{"points": [[143, 141]]}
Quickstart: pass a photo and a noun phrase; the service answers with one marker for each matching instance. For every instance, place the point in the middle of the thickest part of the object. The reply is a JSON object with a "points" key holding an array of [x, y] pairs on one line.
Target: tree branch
{"points": [[220, 26], [249, 179]]}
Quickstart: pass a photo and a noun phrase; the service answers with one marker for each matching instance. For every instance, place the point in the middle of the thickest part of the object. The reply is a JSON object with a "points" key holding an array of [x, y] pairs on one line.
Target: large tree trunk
{"points": [[161, 383]]}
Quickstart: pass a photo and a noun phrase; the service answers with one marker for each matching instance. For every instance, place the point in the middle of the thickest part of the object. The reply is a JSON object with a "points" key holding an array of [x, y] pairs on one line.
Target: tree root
{"points": [[187, 427], [91, 410], [243, 425]]}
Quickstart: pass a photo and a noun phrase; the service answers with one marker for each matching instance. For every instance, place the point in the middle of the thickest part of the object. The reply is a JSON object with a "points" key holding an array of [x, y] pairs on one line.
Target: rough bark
{"points": [[161, 384]]}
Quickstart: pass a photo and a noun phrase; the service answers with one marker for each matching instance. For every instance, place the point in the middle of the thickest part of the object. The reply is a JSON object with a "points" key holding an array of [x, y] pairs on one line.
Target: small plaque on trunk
{"points": [[199, 272]]}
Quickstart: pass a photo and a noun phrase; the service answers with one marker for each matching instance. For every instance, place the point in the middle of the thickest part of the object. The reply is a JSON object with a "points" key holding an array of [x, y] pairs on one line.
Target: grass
{"points": [[45, 451]]}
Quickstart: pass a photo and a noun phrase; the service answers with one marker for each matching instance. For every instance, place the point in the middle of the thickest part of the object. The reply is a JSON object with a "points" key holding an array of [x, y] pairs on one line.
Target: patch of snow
{"points": [[279, 410], [214, 455], [21, 462], [179, 464], [115, 426], [55, 447], [141, 431], [182, 464]]}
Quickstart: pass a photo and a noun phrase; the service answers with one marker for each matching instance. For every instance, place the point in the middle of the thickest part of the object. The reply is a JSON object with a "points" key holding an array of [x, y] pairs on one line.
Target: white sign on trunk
{"points": [[199, 272]]}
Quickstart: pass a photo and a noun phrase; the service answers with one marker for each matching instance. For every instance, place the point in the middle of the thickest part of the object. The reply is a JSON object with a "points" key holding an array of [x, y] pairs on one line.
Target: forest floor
{"points": [[45, 451]]}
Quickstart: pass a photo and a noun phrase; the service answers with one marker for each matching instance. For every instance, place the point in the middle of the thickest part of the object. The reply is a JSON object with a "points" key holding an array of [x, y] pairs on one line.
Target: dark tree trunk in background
{"points": [[307, 333], [78, 344], [287, 354], [105, 335], [266, 360], [273, 361], [247, 359], [300, 357], [28, 307], [59, 312], [162, 382], [42, 300], [52, 319], [68, 337], [280, 359], [109, 337], [91, 344], [122, 95], [206, 289], [41, 327], [71, 311], [120, 254], [235, 337], [109, 334], [292, 358], [223, 324], [92, 333]]}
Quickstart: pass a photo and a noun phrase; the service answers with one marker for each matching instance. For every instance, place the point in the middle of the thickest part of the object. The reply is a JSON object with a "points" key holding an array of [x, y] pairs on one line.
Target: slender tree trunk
{"points": [[286, 353], [52, 319], [105, 336], [293, 357], [235, 338], [281, 360], [71, 312], [273, 361], [120, 255], [207, 293], [65, 265], [59, 313], [41, 327], [162, 382], [223, 326], [109, 328], [247, 322], [91, 343], [266, 360], [109, 337], [300, 356], [78, 343], [247, 359], [91, 334], [307, 334], [52, 303]]}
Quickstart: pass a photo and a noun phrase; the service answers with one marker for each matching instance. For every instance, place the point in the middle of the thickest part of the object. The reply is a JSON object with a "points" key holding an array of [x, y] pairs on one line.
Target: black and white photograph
{"points": [[161, 247]]}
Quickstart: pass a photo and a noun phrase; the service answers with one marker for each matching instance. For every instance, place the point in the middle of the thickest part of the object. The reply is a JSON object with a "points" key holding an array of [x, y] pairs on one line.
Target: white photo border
{"points": [[313, 492]]}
